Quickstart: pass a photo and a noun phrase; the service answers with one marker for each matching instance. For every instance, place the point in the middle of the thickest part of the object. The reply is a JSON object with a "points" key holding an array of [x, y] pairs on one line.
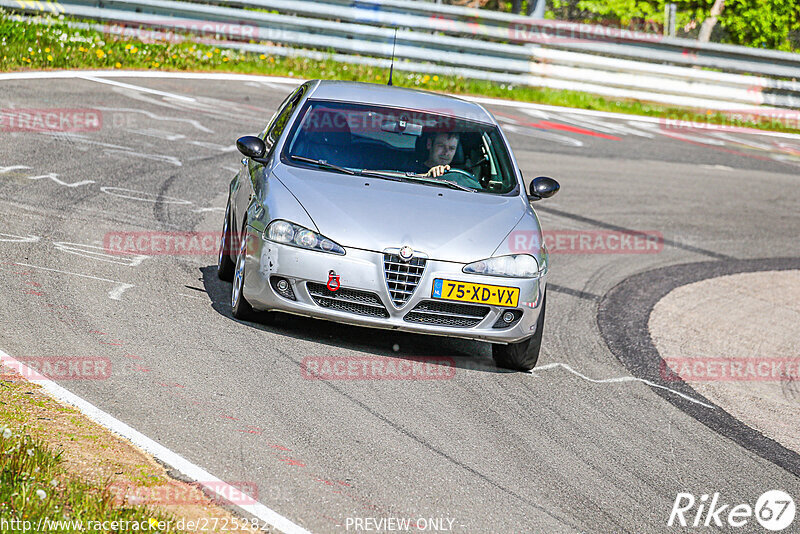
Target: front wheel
{"points": [[523, 355], [224, 263], [240, 308]]}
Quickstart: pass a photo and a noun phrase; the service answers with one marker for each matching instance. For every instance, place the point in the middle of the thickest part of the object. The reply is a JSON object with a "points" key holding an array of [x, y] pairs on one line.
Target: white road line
{"points": [[114, 294], [4, 170], [547, 135], [205, 76], [156, 117], [616, 380], [43, 75], [138, 88], [100, 253], [201, 210], [67, 272], [161, 199], [211, 483], [53, 176], [11, 238], [621, 116], [612, 128]]}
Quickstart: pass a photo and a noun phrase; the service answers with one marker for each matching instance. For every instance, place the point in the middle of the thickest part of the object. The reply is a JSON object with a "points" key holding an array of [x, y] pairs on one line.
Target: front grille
{"points": [[347, 300], [402, 277], [446, 314]]}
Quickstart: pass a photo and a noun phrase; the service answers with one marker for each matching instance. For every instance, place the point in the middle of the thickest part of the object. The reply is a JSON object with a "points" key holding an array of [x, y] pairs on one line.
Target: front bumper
{"points": [[363, 271]]}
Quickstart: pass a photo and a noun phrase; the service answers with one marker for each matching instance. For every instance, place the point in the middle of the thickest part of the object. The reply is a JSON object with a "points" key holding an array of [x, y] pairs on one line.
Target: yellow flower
{"points": [[209, 54], [100, 53], [174, 56], [128, 46], [262, 56], [224, 59], [272, 60], [118, 65], [216, 50], [435, 78], [47, 50], [49, 57], [134, 50], [155, 63]]}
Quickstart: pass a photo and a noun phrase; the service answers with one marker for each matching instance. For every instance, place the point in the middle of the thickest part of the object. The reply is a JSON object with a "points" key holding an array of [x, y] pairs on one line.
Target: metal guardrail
{"points": [[588, 31], [486, 24], [434, 46]]}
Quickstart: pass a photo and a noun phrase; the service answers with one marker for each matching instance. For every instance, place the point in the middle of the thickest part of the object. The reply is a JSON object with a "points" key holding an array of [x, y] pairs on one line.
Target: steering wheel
{"points": [[465, 173]]}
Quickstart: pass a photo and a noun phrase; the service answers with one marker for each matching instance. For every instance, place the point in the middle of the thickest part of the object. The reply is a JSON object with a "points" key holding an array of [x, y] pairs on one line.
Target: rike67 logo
{"points": [[774, 510]]}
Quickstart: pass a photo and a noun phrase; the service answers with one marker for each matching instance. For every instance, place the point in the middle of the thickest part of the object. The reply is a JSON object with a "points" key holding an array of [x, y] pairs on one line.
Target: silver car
{"points": [[388, 208]]}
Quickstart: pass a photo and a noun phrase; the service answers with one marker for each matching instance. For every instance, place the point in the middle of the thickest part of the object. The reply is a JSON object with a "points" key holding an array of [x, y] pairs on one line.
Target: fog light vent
{"points": [[282, 287], [507, 319]]}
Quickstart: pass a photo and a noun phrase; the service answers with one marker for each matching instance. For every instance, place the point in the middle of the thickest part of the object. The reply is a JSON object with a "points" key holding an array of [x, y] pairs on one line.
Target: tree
{"points": [[760, 23], [711, 21]]}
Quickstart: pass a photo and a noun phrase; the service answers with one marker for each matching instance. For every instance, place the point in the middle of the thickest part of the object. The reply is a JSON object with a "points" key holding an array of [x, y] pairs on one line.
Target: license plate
{"points": [[477, 293]]}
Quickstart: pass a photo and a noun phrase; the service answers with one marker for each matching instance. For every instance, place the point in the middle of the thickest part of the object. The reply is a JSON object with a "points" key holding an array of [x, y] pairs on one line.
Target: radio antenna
{"points": [[391, 66]]}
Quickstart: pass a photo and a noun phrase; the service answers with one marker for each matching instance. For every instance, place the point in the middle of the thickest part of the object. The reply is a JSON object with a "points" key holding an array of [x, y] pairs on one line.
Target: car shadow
{"points": [[466, 354]]}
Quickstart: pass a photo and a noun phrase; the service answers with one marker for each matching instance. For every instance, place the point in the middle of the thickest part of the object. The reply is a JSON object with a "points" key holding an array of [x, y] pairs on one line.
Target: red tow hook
{"points": [[333, 281]]}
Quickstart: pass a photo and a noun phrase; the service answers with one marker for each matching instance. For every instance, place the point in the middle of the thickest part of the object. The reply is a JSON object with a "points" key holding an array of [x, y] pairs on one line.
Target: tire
{"points": [[225, 265], [240, 308], [523, 355]]}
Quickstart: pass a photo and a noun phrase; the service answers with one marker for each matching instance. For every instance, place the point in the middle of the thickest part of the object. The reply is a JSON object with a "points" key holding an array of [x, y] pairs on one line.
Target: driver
{"points": [[441, 148]]}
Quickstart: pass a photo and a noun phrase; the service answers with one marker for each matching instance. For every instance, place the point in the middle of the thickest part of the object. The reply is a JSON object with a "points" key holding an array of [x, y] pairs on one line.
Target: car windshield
{"points": [[400, 144]]}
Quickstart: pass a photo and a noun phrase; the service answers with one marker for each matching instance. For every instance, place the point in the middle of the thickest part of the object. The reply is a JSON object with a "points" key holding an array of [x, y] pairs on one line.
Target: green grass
{"points": [[32, 45], [35, 486]]}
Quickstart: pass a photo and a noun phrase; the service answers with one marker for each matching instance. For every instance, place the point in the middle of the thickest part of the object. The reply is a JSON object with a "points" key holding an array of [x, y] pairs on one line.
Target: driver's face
{"points": [[442, 148]]}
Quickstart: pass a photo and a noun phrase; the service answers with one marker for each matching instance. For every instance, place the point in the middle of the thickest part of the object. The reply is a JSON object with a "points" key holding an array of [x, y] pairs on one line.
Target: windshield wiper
{"points": [[388, 175], [322, 163], [431, 179]]}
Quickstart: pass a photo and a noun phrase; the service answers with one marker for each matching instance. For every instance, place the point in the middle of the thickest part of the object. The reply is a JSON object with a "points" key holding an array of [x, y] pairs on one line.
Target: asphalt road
{"points": [[553, 451]]}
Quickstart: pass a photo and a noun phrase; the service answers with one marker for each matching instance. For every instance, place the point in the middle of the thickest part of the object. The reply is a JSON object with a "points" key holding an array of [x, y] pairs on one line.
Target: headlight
{"points": [[515, 266], [292, 234]]}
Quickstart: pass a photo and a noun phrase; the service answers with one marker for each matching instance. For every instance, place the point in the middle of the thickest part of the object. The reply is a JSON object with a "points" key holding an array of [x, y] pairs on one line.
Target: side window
{"points": [[281, 118]]}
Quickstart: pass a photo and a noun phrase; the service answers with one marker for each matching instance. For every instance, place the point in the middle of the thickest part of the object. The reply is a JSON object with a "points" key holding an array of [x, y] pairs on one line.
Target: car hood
{"points": [[446, 224]]}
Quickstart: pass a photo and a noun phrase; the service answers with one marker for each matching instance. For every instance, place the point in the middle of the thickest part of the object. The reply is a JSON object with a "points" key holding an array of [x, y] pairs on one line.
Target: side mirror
{"points": [[252, 147], [542, 187]]}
